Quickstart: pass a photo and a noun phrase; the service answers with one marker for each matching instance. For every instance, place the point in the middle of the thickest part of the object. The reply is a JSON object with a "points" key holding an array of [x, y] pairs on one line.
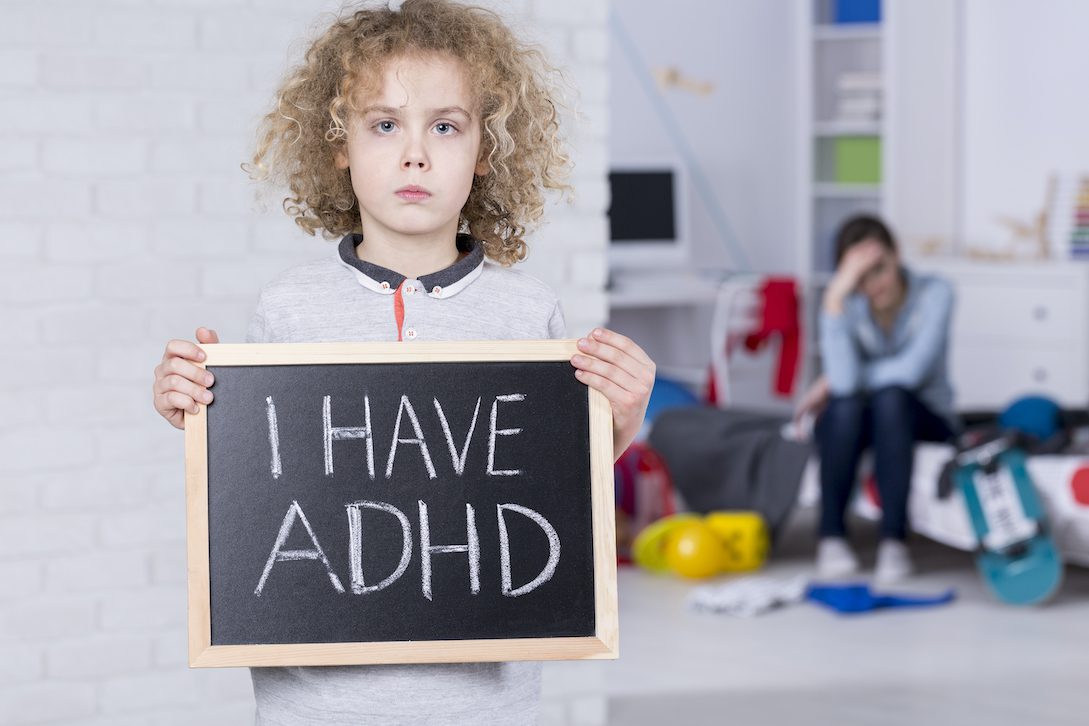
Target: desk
{"points": [[649, 289]]}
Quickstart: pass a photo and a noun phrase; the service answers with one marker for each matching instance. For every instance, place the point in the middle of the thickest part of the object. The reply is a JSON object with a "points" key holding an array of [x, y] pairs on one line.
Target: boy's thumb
{"points": [[207, 335]]}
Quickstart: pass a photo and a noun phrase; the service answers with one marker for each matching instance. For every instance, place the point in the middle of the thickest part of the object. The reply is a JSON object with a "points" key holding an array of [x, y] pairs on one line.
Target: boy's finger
{"points": [[181, 402], [174, 382], [624, 343], [207, 335], [614, 373], [613, 392], [614, 355], [183, 349], [188, 370]]}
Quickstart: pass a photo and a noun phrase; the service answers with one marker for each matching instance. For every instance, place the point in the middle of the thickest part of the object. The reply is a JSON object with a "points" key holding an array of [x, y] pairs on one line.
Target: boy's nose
{"points": [[415, 157]]}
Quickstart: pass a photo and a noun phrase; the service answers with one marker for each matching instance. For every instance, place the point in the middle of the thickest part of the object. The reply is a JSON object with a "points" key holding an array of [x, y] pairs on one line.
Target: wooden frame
{"points": [[604, 644]]}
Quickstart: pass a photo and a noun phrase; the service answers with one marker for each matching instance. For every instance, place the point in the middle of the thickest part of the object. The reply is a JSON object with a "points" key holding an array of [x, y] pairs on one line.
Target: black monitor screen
{"points": [[642, 206]]}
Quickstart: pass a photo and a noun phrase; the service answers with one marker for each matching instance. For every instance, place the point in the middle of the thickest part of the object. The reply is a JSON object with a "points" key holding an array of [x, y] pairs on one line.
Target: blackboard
{"points": [[382, 503]]}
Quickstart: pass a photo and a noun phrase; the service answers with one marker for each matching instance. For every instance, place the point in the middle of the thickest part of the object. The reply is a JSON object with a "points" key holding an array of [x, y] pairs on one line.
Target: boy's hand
{"points": [[179, 385], [616, 366]]}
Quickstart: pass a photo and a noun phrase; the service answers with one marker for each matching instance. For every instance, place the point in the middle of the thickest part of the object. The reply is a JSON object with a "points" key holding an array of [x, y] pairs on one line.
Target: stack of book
{"points": [[857, 11], [1068, 217], [858, 97]]}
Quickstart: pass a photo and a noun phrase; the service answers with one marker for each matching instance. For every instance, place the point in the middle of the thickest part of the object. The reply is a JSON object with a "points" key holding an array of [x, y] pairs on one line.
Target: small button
{"points": [[410, 333], [436, 290], [384, 285], [409, 289]]}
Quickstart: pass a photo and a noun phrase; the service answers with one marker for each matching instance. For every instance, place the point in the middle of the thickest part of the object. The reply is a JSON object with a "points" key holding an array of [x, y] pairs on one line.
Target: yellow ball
{"points": [[695, 551], [649, 548], [744, 538]]}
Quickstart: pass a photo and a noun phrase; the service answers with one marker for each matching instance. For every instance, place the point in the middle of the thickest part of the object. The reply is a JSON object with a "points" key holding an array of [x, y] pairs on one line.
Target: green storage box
{"points": [[858, 160]]}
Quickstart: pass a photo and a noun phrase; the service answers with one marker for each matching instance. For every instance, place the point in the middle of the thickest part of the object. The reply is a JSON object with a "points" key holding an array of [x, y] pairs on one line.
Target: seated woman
{"points": [[884, 336]]}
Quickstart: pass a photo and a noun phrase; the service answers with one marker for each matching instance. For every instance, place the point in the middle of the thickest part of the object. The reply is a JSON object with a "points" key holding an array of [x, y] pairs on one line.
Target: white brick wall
{"points": [[125, 221]]}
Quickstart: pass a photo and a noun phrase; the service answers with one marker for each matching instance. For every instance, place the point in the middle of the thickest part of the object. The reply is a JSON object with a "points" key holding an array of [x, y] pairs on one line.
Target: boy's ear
{"points": [[340, 158], [482, 167]]}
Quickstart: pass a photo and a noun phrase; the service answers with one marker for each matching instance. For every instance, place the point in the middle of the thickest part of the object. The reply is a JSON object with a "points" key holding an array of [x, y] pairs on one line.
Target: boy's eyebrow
{"points": [[381, 109], [445, 110]]}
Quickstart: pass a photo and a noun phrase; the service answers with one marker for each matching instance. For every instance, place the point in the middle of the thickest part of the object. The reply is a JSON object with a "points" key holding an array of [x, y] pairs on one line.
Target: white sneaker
{"points": [[835, 558], [893, 561]]}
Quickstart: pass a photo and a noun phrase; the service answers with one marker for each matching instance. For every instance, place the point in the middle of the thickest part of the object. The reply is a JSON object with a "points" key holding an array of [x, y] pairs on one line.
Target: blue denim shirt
{"points": [[859, 356]]}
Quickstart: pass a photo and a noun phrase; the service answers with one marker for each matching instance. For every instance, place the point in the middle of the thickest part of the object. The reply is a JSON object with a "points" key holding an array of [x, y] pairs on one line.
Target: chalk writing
{"points": [[339, 433], [501, 432], [273, 439], [279, 554], [406, 407]]}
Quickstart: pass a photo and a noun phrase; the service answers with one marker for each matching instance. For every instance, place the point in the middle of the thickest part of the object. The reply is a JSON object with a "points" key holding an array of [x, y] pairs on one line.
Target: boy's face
{"points": [[413, 150]]}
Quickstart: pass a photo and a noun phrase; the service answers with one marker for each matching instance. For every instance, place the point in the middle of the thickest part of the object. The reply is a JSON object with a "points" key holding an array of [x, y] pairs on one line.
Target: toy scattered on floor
{"points": [[855, 598], [745, 537], [649, 548], [643, 488], [1017, 556], [697, 546], [748, 596], [643, 493], [695, 550], [665, 395], [1036, 416], [751, 596]]}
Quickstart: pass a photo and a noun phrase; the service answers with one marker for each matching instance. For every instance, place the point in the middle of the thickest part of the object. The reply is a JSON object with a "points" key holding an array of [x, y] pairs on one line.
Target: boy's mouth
{"points": [[413, 193]]}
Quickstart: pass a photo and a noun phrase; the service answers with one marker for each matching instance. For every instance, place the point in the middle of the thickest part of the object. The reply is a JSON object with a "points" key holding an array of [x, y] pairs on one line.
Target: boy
{"points": [[425, 137]]}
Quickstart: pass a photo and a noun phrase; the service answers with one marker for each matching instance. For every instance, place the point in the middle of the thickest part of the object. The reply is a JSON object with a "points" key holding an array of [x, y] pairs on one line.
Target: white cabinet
{"points": [[1019, 328]]}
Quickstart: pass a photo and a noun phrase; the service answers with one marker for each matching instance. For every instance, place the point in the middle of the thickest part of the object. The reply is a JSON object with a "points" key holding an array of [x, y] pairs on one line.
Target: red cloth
{"points": [[780, 318]]}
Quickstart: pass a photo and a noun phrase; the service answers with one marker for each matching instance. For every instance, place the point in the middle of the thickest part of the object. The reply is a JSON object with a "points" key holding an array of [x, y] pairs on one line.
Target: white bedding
{"points": [[946, 520]]}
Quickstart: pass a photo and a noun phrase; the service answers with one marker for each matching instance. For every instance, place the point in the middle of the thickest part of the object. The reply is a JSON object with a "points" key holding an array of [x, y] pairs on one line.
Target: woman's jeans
{"points": [[889, 420]]}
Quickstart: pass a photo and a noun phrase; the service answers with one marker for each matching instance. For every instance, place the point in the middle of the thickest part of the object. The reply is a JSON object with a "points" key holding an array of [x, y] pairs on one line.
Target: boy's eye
{"points": [[385, 127], [443, 128]]}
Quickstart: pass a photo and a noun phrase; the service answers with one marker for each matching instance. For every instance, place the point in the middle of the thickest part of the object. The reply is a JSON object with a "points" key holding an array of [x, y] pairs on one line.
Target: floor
{"points": [[974, 661]]}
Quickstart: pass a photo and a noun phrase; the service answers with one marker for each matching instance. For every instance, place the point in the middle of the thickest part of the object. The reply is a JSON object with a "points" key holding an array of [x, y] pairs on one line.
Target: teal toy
{"points": [[1017, 557]]}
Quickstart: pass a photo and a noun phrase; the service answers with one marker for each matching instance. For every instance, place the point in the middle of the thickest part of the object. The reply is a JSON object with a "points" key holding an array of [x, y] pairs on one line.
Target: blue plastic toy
{"points": [[666, 394], [1033, 415]]}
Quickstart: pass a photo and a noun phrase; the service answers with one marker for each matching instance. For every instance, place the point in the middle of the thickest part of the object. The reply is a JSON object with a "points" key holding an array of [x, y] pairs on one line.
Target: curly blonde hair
{"points": [[514, 89]]}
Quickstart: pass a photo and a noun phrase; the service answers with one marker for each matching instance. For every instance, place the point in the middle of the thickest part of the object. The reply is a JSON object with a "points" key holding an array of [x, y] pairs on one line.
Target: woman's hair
{"points": [[513, 86], [859, 229]]}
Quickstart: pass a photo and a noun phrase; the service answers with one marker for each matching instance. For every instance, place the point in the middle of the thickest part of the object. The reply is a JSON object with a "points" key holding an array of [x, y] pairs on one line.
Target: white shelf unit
{"points": [[831, 32], [826, 51], [846, 128], [829, 53], [915, 50], [836, 190]]}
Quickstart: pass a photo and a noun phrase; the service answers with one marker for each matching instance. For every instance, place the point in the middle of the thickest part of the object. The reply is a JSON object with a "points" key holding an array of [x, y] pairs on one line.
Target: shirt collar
{"points": [[441, 284]]}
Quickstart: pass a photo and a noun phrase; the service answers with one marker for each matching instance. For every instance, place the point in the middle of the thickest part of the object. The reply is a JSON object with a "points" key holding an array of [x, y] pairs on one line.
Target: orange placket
{"points": [[399, 310]]}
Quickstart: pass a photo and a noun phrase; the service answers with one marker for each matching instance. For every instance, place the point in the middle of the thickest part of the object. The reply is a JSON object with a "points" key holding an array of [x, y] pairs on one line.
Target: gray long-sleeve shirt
{"points": [[858, 355], [342, 299]]}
